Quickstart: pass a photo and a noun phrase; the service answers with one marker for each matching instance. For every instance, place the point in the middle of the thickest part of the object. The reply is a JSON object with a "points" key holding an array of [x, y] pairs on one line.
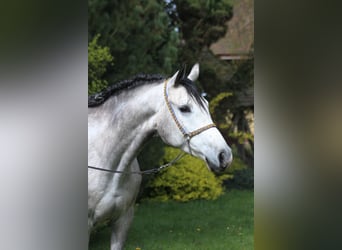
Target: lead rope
{"points": [[149, 171]]}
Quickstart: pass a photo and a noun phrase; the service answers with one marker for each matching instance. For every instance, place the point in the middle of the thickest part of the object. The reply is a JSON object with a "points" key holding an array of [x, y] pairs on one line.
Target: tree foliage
{"points": [[99, 58], [139, 34], [200, 22]]}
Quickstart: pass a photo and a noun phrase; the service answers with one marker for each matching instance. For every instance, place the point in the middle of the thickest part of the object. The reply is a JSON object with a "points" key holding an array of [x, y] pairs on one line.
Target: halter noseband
{"points": [[187, 135]]}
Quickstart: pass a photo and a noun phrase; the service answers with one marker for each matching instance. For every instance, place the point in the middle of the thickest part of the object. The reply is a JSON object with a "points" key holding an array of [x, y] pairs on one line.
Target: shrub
{"points": [[242, 175], [243, 179], [237, 163], [150, 157], [99, 58], [188, 179]]}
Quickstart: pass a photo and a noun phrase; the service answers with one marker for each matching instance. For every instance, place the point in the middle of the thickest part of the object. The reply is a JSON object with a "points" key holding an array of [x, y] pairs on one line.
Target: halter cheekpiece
{"points": [[187, 135]]}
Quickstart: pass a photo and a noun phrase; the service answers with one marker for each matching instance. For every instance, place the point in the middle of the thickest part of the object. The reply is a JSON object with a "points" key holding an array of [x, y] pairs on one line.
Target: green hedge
{"points": [[188, 179]]}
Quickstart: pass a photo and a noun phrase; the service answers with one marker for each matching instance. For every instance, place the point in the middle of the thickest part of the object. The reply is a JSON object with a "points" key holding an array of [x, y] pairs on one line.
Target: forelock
{"points": [[192, 91]]}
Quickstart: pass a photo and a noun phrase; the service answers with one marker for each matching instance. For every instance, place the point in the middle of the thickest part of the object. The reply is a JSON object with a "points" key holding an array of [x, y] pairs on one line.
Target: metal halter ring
{"points": [[187, 137]]}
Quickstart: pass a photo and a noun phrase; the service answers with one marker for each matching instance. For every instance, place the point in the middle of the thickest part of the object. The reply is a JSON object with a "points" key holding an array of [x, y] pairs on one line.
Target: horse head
{"points": [[185, 122]]}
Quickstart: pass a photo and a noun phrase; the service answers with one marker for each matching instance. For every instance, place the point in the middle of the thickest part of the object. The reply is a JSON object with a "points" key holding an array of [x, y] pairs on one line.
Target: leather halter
{"points": [[187, 135]]}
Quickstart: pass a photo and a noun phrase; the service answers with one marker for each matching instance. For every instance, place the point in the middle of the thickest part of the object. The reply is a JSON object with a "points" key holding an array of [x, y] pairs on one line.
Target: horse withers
{"points": [[122, 118]]}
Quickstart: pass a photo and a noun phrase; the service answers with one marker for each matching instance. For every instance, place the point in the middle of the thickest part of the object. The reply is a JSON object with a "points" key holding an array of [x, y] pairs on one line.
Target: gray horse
{"points": [[121, 118]]}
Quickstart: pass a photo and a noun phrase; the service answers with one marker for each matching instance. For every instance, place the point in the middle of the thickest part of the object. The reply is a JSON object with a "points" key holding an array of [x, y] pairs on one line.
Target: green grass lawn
{"points": [[226, 223]]}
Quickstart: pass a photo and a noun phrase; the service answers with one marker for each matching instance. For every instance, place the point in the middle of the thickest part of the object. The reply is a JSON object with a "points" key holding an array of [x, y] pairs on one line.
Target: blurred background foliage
{"points": [[156, 36]]}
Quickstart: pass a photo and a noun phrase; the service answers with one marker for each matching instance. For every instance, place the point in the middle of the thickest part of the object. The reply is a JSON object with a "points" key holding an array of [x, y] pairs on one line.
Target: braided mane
{"points": [[99, 98]]}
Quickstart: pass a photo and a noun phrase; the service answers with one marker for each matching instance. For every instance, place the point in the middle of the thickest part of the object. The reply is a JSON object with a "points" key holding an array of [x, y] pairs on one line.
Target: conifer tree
{"points": [[138, 33]]}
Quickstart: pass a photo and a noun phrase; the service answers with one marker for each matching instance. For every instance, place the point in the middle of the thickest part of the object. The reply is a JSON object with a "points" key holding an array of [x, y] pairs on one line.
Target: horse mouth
{"points": [[214, 168]]}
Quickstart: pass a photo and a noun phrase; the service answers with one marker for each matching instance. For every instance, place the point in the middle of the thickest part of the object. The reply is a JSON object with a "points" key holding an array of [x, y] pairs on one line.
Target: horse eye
{"points": [[185, 109]]}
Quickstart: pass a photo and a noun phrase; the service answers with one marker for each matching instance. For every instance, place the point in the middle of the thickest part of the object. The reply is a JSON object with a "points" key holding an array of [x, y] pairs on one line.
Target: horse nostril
{"points": [[221, 157], [224, 158]]}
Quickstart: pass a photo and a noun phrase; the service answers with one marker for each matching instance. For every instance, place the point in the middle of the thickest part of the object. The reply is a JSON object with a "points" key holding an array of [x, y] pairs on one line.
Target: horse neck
{"points": [[123, 124]]}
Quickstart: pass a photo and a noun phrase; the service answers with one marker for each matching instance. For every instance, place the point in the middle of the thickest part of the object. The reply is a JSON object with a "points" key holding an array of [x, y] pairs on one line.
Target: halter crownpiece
{"points": [[187, 135]]}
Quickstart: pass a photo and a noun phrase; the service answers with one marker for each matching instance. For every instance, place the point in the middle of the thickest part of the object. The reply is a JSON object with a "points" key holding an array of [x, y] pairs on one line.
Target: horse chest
{"points": [[113, 200]]}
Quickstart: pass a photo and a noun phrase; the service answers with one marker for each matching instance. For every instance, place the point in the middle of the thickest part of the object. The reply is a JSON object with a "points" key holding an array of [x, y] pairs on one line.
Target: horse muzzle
{"points": [[221, 163]]}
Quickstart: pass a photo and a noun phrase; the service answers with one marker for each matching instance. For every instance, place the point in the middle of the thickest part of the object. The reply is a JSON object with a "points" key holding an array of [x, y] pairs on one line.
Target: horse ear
{"points": [[174, 77], [193, 75], [178, 76]]}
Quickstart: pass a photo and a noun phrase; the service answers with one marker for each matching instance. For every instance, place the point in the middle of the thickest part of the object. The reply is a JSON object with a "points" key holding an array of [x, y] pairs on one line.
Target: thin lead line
{"points": [[149, 171]]}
